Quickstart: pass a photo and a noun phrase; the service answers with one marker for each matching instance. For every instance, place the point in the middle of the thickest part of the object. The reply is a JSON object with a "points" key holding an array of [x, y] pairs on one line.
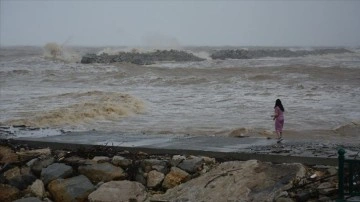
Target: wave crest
{"points": [[92, 106], [351, 129]]}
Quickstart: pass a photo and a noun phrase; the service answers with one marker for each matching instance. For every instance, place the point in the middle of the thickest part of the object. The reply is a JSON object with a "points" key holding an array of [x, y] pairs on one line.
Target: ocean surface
{"points": [[211, 97]]}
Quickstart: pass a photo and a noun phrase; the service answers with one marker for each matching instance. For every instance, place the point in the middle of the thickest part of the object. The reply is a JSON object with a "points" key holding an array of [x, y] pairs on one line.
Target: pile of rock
{"points": [[45, 175], [67, 176], [280, 53], [141, 58]]}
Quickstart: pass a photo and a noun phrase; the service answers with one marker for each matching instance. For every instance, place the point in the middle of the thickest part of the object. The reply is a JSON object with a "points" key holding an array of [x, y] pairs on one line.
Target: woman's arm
{"points": [[276, 113]]}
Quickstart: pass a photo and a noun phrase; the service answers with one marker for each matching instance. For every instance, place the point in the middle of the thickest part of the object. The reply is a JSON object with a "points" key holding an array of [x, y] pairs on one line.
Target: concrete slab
{"points": [[235, 148], [184, 142]]}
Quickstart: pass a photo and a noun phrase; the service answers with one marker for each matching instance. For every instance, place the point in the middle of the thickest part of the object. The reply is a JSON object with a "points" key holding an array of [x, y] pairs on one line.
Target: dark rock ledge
{"points": [[141, 58]]}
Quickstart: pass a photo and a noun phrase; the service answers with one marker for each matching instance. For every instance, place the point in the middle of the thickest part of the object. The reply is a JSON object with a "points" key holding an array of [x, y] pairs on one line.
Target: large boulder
{"points": [[7, 155], [72, 189], [54, 171], [154, 164], [39, 164], [175, 177], [37, 188], [75, 160], [105, 172], [121, 161], [22, 181], [250, 181], [176, 159], [8, 193], [28, 199], [191, 164], [30, 154], [12, 173], [154, 179], [101, 159], [120, 191]]}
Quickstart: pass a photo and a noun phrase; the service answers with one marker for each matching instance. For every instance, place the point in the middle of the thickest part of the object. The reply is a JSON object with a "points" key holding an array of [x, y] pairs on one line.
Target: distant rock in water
{"points": [[260, 53], [141, 58]]}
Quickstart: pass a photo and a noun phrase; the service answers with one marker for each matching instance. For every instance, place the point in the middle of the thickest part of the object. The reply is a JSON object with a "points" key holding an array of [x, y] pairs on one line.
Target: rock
{"points": [[30, 154], [14, 172], [326, 185], [72, 189], [120, 191], [328, 191], [101, 159], [38, 189], [205, 169], [175, 177], [324, 199], [283, 199], [8, 193], [22, 181], [283, 194], [25, 170], [28, 199], [121, 161], [102, 172], [154, 164], [7, 155], [303, 196], [154, 178], [332, 171], [40, 164], [260, 53], [192, 164], [32, 162], [140, 177], [208, 160], [249, 181], [141, 58], [60, 153], [75, 160], [176, 159], [89, 58], [54, 171]]}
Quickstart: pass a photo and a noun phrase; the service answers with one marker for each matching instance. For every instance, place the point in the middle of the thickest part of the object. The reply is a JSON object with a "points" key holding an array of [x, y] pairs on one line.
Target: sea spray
{"points": [[59, 52]]}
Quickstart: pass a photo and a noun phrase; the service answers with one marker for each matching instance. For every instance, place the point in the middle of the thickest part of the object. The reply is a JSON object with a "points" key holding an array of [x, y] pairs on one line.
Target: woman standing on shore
{"points": [[279, 118]]}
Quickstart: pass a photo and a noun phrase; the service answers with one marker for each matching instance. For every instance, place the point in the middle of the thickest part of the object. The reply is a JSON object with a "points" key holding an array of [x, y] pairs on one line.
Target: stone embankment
{"points": [[141, 58], [279, 53], [102, 174]]}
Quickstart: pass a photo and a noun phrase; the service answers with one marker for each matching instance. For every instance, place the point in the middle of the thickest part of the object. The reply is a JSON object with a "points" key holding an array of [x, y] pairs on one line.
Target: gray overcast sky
{"points": [[213, 23]]}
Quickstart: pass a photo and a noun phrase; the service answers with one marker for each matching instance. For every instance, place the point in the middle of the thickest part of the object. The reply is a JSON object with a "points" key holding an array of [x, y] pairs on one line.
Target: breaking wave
{"points": [[352, 128], [88, 107]]}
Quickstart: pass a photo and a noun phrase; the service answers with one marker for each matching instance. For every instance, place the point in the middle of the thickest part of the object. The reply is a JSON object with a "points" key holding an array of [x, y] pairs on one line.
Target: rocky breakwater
{"points": [[141, 58], [279, 53], [101, 174]]}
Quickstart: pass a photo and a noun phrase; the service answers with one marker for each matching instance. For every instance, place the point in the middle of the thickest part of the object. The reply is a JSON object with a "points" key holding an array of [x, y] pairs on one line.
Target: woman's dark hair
{"points": [[278, 104]]}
